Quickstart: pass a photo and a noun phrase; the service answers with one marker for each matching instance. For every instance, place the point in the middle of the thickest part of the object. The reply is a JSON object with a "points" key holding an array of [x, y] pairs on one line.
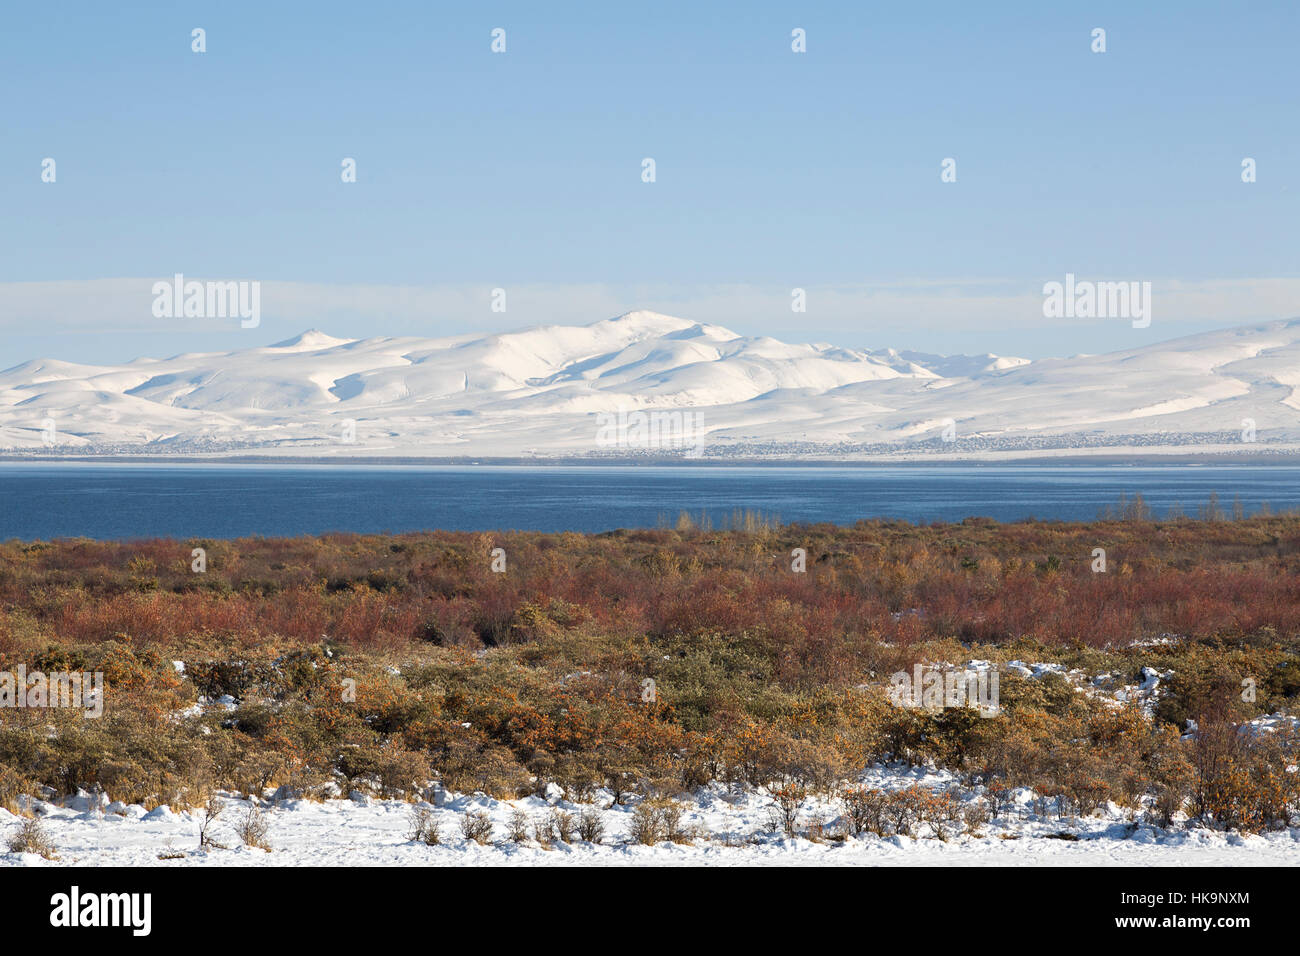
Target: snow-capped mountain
{"points": [[551, 390]]}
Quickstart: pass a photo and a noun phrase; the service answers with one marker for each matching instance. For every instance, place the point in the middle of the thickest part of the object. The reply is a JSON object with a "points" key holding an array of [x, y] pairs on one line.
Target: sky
{"points": [[523, 170]]}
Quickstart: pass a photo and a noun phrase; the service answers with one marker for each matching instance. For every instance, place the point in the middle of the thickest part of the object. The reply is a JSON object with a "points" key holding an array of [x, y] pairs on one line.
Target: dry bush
{"points": [[975, 817], [424, 827], [938, 811], [12, 786], [170, 852], [211, 812], [474, 767], [784, 813], [32, 838], [762, 676], [253, 771], [591, 826], [644, 827], [1243, 782], [563, 825], [254, 828], [865, 811], [476, 826], [401, 771], [904, 809], [544, 831], [517, 826], [656, 820], [670, 822], [555, 826], [1086, 792]]}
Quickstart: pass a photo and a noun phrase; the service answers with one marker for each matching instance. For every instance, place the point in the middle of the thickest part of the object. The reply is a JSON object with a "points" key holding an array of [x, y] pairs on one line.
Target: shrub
{"points": [[32, 838], [761, 676], [1243, 783], [544, 831], [253, 829], [1086, 792], [424, 827], [906, 808], [591, 826], [646, 826], [212, 811], [517, 826], [12, 785], [998, 796], [670, 822], [657, 820], [938, 810], [563, 825], [476, 825], [400, 771], [865, 811], [786, 801], [975, 817]]}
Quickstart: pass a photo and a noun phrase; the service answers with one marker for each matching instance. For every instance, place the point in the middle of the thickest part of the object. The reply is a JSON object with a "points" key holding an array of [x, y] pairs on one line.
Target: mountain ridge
{"points": [[540, 391]]}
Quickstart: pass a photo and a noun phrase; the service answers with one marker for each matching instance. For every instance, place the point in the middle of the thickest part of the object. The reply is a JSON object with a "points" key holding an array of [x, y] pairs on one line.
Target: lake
{"points": [[44, 500]]}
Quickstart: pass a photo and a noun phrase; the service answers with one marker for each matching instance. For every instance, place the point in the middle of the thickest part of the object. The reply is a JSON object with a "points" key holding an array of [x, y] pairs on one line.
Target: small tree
{"points": [[786, 802], [212, 811]]}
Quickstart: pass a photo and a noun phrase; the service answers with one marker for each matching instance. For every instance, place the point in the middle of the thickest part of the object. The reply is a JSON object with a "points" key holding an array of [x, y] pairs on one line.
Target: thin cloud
{"points": [[356, 310]]}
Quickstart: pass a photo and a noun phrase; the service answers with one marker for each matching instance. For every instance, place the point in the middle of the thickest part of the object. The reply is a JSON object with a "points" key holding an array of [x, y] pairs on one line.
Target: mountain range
{"points": [[545, 392]]}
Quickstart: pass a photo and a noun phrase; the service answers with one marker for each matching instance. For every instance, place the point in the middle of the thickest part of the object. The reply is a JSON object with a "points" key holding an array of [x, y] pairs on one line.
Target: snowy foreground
{"points": [[735, 830]]}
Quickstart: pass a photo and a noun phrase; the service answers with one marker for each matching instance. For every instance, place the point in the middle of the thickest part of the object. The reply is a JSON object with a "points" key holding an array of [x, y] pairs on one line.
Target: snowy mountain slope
{"points": [[541, 390]]}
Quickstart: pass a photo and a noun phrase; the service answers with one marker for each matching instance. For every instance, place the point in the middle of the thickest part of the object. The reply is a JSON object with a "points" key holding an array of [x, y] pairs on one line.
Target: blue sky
{"points": [[522, 170]]}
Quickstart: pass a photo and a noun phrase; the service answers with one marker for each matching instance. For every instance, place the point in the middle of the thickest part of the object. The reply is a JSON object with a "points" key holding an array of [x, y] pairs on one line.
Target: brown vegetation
{"points": [[382, 662]]}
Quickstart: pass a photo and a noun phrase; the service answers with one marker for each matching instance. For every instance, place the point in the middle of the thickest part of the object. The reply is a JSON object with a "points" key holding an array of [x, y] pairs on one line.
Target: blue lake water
{"points": [[41, 501]]}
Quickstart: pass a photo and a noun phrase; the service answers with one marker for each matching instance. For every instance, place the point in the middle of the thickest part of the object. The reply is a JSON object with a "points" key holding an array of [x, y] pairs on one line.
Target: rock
{"points": [[86, 802], [33, 805], [285, 792]]}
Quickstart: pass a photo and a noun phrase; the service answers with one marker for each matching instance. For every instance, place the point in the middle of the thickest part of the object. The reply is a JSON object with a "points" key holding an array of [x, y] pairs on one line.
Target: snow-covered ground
{"points": [[734, 827], [726, 826]]}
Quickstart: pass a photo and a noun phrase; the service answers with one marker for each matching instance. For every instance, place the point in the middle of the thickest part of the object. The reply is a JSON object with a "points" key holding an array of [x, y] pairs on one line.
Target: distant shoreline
{"points": [[1263, 459]]}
